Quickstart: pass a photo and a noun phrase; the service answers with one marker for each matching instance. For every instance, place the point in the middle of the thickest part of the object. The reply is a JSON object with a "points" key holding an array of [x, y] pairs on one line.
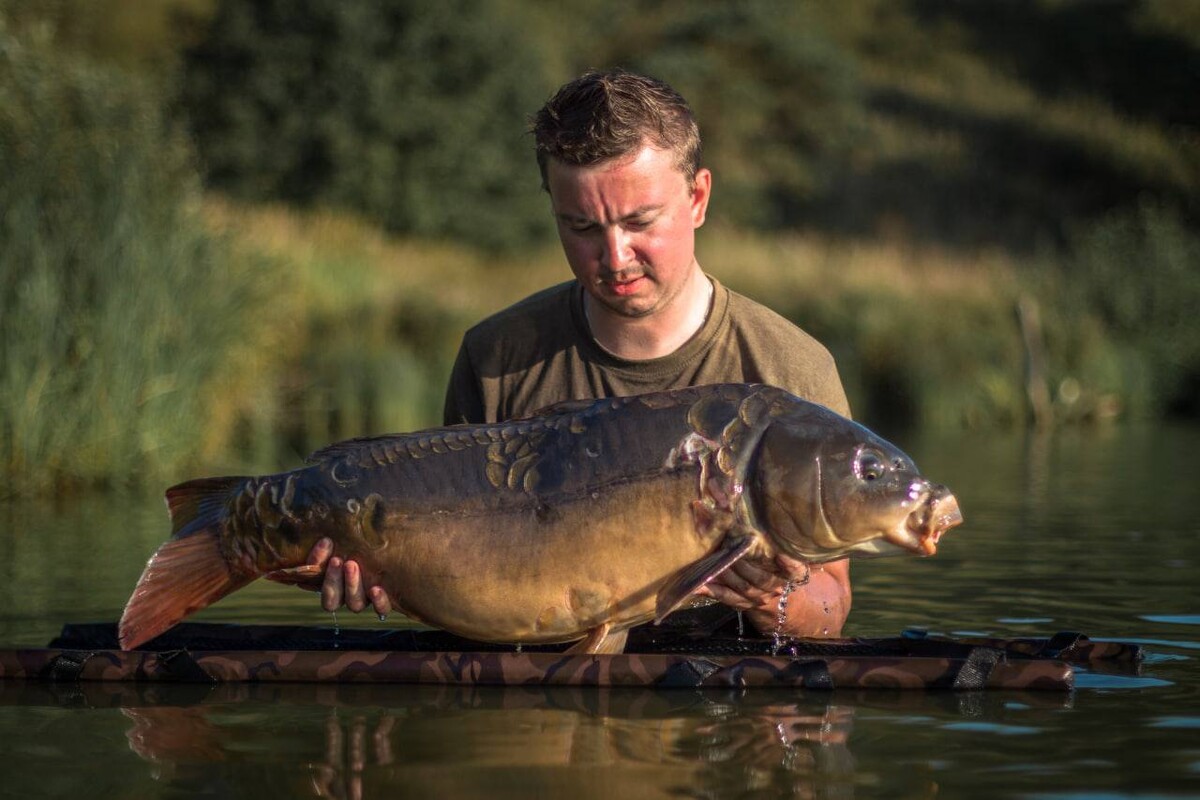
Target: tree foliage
{"points": [[410, 113]]}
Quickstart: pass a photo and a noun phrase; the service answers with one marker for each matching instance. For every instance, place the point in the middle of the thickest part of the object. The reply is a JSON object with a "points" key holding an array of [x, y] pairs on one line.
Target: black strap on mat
{"points": [[690, 673], [977, 667], [1061, 644], [815, 674], [66, 666]]}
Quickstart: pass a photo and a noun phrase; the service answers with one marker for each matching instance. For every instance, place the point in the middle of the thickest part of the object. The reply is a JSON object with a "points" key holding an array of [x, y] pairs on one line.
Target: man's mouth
{"points": [[624, 285]]}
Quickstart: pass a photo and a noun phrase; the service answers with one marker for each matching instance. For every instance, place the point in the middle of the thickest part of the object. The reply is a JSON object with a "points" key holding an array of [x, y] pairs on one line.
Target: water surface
{"points": [[1091, 530]]}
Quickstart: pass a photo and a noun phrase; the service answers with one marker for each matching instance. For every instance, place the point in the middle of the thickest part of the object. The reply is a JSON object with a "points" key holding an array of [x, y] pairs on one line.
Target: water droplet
{"points": [[336, 629], [518, 647], [781, 617], [382, 617]]}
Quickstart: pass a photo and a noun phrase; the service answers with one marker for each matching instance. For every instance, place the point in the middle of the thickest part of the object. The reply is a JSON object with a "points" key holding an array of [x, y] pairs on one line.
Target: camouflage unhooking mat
{"points": [[664, 657]]}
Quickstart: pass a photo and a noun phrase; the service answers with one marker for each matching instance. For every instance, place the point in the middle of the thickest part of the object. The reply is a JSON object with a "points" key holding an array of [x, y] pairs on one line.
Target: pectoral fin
{"points": [[600, 640], [673, 594]]}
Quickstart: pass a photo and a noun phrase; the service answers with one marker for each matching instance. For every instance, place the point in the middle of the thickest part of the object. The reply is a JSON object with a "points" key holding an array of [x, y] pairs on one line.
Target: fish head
{"points": [[828, 488]]}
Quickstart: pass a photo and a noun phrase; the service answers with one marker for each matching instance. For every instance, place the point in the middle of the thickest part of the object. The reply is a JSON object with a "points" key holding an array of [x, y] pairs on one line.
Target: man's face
{"points": [[628, 226]]}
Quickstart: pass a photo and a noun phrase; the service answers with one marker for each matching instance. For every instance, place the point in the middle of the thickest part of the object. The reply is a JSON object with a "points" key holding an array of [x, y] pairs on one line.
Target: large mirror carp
{"points": [[574, 524]]}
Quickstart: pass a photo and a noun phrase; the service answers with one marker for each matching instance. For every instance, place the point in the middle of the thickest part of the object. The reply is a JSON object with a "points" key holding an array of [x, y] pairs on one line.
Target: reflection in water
{"points": [[463, 741], [363, 741]]}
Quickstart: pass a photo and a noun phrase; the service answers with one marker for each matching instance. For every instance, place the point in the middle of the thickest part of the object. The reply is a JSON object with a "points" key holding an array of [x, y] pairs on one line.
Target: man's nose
{"points": [[618, 248]]}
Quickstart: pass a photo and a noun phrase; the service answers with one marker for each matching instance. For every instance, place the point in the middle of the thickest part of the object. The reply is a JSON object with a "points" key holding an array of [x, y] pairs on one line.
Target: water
{"points": [[1092, 530]]}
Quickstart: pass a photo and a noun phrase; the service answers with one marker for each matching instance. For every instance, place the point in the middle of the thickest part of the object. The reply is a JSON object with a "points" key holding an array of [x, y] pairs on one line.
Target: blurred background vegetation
{"points": [[234, 230]]}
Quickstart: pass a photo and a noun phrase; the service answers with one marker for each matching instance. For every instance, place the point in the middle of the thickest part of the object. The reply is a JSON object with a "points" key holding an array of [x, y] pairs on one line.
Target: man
{"points": [[620, 159]]}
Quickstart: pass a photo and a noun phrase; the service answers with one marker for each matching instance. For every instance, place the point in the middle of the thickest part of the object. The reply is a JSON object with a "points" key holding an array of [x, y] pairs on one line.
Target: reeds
{"points": [[120, 314]]}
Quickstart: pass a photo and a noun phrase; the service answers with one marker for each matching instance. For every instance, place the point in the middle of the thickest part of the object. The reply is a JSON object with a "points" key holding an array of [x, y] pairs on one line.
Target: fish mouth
{"points": [[937, 513]]}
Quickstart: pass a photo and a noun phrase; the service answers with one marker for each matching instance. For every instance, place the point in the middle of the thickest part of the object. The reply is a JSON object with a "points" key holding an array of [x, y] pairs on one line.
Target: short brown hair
{"points": [[604, 115]]}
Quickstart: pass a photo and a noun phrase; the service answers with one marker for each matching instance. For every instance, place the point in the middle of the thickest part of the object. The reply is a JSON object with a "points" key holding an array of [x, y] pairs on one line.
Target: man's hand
{"points": [[817, 605], [343, 583]]}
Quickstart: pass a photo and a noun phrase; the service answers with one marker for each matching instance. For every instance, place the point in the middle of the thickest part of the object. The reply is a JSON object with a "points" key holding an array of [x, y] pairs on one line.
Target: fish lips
{"points": [[936, 513]]}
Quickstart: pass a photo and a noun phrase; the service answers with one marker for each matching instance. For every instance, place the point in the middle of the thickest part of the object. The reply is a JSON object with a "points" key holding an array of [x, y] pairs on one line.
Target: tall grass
{"points": [[378, 319], [120, 314]]}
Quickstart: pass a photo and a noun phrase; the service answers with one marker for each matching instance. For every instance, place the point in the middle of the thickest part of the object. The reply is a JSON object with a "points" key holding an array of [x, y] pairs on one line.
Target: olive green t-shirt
{"points": [[540, 351]]}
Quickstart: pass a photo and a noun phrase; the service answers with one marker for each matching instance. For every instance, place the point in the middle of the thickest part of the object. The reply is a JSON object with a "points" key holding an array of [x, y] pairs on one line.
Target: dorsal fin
{"points": [[564, 407], [355, 446]]}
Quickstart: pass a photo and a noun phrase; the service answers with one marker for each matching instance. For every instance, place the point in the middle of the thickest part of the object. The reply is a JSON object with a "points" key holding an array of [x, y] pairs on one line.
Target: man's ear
{"points": [[701, 191]]}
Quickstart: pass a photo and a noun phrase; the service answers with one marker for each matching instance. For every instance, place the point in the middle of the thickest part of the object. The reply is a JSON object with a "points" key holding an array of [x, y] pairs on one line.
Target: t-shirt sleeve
{"points": [[830, 393], [464, 399]]}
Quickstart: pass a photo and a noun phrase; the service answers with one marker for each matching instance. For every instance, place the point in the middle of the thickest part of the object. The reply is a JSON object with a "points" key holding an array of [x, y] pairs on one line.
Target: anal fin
{"points": [[306, 576], [600, 639], [677, 590]]}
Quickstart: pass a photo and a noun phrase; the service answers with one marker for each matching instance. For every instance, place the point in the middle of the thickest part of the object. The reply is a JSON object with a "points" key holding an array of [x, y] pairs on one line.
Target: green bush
{"points": [[931, 361], [118, 312], [1137, 275]]}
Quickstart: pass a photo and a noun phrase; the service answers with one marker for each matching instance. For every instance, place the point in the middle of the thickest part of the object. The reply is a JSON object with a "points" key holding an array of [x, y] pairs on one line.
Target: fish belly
{"points": [[546, 574]]}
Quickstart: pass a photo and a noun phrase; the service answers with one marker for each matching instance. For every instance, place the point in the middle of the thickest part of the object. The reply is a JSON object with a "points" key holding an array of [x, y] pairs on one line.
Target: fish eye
{"points": [[869, 466]]}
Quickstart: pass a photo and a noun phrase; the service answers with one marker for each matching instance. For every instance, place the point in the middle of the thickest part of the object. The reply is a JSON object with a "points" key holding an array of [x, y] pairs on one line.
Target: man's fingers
{"points": [[749, 580], [321, 551], [344, 586], [763, 574], [792, 567], [356, 601], [748, 586], [731, 598], [332, 591], [730, 579], [380, 601]]}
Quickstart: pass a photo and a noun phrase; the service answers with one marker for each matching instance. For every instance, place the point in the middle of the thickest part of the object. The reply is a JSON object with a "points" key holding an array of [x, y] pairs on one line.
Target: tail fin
{"points": [[189, 572]]}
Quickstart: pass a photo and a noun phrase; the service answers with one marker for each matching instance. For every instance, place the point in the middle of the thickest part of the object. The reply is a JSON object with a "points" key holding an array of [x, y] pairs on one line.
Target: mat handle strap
{"points": [[67, 666], [977, 667]]}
